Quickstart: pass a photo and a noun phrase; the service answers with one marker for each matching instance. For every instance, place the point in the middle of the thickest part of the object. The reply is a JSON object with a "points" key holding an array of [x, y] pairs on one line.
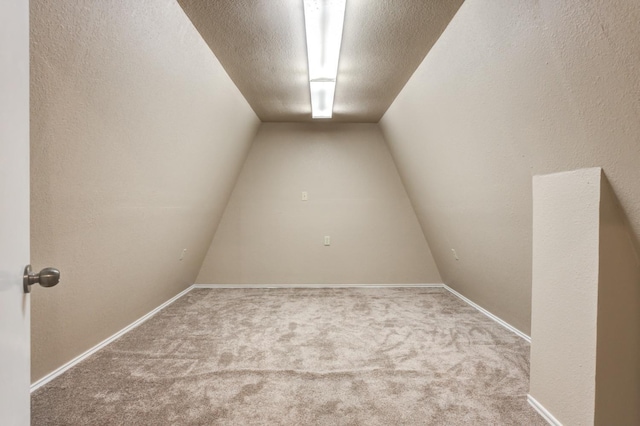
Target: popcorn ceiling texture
{"points": [[403, 356], [262, 46], [138, 134]]}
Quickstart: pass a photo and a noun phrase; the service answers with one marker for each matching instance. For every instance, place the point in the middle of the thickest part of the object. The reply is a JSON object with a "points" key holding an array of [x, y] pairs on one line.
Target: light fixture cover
{"points": [[322, 93], [324, 20]]}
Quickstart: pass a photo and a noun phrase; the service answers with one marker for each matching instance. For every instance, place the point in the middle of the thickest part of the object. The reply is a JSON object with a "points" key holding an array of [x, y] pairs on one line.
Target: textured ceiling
{"points": [[261, 45]]}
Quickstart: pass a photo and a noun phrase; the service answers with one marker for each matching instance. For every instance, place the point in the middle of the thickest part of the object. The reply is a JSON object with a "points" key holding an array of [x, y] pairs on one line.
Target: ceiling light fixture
{"points": [[323, 20]]}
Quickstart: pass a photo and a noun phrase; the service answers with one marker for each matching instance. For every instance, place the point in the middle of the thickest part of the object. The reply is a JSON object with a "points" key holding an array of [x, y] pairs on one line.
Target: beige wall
{"points": [[269, 235], [565, 317], [137, 138], [512, 89], [618, 348], [585, 351]]}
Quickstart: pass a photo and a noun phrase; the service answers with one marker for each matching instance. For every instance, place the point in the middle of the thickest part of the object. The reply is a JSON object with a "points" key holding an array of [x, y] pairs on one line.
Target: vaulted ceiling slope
{"points": [[261, 45]]}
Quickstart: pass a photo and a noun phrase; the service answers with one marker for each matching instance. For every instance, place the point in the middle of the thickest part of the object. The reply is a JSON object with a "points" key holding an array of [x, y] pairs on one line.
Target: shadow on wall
{"points": [[585, 352], [609, 196], [618, 347]]}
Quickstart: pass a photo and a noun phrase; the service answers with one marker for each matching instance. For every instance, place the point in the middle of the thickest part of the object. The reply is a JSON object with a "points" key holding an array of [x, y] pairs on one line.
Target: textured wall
{"points": [[137, 138], [618, 351], [585, 352], [512, 89], [269, 235], [565, 317]]}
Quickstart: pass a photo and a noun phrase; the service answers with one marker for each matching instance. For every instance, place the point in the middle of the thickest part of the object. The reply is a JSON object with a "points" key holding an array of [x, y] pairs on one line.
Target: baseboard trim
{"points": [[49, 377], [436, 285], [424, 285], [489, 314], [543, 411]]}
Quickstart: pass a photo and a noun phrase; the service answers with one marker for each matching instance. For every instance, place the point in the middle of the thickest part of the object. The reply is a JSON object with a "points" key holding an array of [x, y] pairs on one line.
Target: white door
{"points": [[14, 212]]}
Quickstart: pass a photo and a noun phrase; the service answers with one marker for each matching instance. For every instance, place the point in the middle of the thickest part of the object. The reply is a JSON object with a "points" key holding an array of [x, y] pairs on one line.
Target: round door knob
{"points": [[48, 277]]}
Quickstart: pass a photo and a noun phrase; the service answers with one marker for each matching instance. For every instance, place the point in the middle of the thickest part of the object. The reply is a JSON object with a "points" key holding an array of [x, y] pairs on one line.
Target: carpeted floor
{"points": [[370, 356]]}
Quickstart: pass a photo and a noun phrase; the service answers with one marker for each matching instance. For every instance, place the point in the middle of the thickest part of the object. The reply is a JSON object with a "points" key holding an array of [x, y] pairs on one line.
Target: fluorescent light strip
{"points": [[324, 20], [322, 93]]}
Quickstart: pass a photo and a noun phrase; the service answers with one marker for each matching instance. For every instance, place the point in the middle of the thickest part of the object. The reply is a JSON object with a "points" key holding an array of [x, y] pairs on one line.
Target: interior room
{"points": [[457, 244]]}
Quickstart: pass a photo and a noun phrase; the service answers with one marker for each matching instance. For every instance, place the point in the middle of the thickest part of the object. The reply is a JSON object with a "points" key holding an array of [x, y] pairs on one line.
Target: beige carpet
{"points": [[381, 356]]}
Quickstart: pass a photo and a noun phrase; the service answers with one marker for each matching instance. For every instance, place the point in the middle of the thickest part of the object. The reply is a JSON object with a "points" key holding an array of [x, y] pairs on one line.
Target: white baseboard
{"points": [[489, 314], [543, 411], [436, 285], [46, 379]]}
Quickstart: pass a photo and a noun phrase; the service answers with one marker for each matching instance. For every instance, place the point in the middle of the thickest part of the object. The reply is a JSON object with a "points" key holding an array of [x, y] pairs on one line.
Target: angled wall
{"points": [[137, 137], [269, 235], [512, 89]]}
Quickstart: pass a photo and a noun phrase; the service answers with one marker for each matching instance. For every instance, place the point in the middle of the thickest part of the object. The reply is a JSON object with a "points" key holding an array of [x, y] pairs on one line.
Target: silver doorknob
{"points": [[48, 277]]}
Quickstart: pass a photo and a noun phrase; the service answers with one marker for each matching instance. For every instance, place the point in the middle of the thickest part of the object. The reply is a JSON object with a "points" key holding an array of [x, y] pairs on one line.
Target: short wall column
{"points": [[585, 328]]}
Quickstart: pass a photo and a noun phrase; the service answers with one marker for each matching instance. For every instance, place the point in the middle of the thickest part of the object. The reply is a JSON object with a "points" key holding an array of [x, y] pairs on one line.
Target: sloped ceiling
{"points": [[261, 45]]}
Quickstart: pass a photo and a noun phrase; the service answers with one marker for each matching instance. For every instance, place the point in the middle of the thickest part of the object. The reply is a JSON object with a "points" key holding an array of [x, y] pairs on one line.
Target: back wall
{"points": [[268, 235]]}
